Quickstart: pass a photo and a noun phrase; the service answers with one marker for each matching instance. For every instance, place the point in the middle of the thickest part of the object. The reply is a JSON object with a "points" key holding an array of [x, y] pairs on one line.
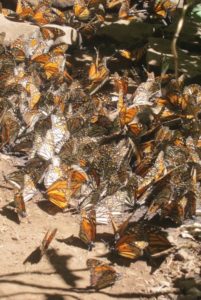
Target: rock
{"points": [[189, 63], [126, 32], [194, 291], [14, 30], [70, 37], [11, 4], [62, 3], [185, 284], [182, 255]]}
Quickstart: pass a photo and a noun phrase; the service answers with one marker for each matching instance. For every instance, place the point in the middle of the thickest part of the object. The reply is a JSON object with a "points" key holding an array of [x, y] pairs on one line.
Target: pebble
{"points": [[194, 291]]}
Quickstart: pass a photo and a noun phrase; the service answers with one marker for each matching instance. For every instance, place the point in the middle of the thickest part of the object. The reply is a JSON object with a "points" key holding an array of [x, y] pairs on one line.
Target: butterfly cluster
{"points": [[97, 138]]}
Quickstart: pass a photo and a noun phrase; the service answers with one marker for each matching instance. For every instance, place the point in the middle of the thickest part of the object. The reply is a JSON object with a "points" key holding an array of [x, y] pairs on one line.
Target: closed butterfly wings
{"points": [[20, 205], [59, 193], [102, 275], [49, 236], [88, 228], [38, 253], [81, 11]]}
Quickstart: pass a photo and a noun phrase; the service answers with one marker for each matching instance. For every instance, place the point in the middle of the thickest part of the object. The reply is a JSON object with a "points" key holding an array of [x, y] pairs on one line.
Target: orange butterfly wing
{"points": [[88, 228], [59, 193]]}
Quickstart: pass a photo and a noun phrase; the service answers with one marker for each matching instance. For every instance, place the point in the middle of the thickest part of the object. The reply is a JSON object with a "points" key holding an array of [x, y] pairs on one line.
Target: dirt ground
{"points": [[62, 272]]}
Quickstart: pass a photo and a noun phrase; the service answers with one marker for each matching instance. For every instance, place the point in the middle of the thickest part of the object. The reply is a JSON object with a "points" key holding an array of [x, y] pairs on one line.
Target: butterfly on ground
{"points": [[88, 228], [129, 246], [20, 205], [163, 8], [102, 275], [98, 74], [47, 240], [51, 33], [38, 253], [125, 244], [156, 238], [81, 11], [59, 193]]}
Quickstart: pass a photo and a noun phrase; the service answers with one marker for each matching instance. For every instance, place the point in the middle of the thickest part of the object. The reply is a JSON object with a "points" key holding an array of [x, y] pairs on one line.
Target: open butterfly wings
{"points": [[102, 275], [130, 247], [87, 231], [132, 239], [158, 243]]}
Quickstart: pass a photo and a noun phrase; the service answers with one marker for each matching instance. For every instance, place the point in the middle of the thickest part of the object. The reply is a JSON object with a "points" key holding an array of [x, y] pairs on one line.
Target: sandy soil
{"points": [[62, 272]]}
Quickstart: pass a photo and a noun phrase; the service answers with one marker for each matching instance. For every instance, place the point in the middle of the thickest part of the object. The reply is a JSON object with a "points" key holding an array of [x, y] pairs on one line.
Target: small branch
{"points": [[175, 39]]}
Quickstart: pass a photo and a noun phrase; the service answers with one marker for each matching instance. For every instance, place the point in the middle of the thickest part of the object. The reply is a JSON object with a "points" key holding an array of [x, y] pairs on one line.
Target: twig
{"points": [[175, 39]]}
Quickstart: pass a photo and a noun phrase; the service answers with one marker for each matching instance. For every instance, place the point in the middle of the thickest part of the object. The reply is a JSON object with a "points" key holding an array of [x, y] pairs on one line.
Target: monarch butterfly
{"points": [[98, 72], [29, 189], [178, 100], [120, 84], [87, 231], [51, 69], [35, 94], [51, 33], [77, 178], [157, 240], [59, 49], [113, 3], [59, 193], [127, 114], [20, 205], [59, 131], [47, 240], [194, 91], [154, 239], [45, 147], [134, 55], [53, 172], [24, 9], [163, 7], [9, 128], [153, 174], [81, 12], [129, 246], [192, 150], [102, 275], [135, 128], [42, 58], [119, 230], [18, 51], [124, 9]]}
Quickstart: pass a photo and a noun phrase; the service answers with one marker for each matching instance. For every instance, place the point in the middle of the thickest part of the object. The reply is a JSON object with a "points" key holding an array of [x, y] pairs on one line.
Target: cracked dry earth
{"points": [[62, 272]]}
